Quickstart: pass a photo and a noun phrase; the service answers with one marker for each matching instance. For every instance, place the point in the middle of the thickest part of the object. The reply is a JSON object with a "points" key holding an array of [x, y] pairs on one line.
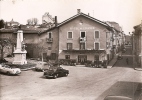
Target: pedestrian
{"points": [[127, 61]]}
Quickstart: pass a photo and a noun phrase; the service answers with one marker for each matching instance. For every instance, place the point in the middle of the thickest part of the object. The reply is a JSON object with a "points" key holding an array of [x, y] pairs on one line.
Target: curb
{"points": [[138, 69], [27, 69], [110, 66]]}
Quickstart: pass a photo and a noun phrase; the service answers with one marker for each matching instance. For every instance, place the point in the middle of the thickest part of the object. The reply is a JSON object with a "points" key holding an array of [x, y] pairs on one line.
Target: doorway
{"points": [[82, 59]]}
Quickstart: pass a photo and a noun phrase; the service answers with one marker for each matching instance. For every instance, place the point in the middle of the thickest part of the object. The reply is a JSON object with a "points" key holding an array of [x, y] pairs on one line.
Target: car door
{"points": [[59, 71], [1, 69]]}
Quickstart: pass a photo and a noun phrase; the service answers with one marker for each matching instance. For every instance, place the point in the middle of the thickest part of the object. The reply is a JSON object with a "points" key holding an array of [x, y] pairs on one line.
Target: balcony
{"points": [[49, 40], [82, 39], [84, 50]]}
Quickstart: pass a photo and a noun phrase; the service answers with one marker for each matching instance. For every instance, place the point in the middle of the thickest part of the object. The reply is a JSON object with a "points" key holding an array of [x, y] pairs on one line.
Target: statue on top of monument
{"points": [[23, 46], [19, 27]]}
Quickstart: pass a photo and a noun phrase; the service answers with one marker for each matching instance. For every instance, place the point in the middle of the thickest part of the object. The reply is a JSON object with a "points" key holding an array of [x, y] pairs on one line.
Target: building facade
{"points": [[83, 38], [137, 44], [11, 24], [80, 39]]}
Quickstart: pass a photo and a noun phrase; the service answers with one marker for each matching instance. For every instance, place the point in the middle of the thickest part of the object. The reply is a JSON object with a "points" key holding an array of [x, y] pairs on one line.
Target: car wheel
{"points": [[16, 73], [8, 73], [66, 74], [55, 76]]}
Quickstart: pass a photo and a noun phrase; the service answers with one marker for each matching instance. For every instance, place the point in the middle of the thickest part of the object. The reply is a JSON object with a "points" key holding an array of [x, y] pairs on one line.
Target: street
{"points": [[81, 84]]}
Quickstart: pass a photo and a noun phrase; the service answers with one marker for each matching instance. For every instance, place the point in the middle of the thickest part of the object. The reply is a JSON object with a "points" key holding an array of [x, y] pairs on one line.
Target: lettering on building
{"points": [[82, 28]]}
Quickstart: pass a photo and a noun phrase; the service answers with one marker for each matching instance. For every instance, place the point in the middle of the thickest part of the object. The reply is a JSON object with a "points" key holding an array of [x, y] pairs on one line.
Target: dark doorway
{"points": [[82, 34], [82, 59]]}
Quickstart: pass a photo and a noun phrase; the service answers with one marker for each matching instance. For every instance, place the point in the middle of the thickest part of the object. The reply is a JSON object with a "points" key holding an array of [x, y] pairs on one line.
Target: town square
{"points": [[79, 57]]}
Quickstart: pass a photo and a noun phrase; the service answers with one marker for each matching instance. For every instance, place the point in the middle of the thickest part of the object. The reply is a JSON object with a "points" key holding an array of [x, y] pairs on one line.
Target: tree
{"points": [[2, 24], [35, 21], [28, 21], [32, 21], [5, 42]]}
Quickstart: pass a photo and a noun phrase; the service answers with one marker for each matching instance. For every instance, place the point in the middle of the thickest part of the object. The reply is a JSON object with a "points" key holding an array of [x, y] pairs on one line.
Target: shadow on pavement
{"points": [[128, 89], [123, 62]]}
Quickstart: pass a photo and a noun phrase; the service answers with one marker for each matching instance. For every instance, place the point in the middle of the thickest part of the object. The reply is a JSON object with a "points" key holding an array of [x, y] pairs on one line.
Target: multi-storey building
{"points": [[30, 36], [118, 37], [11, 24], [83, 38], [48, 21], [137, 44]]}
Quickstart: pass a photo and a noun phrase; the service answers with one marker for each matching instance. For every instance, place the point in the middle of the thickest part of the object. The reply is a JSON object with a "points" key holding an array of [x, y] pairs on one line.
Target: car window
{"points": [[61, 68]]}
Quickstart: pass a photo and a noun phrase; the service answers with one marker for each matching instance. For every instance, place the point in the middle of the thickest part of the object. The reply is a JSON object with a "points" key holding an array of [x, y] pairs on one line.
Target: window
{"points": [[44, 55], [69, 46], [49, 48], [107, 34], [67, 56], [96, 58], [82, 34], [53, 56], [69, 35], [97, 46], [97, 34], [82, 46], [50, 35]]}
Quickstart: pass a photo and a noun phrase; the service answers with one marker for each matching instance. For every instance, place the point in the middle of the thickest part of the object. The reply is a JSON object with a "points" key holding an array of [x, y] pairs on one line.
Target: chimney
{"points": [[88, 14], [78, 11], [55, 20]]}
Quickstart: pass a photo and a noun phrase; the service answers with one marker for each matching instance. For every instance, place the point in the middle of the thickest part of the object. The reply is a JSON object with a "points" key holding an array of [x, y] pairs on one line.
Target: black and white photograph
{"points": [[70, 49]]}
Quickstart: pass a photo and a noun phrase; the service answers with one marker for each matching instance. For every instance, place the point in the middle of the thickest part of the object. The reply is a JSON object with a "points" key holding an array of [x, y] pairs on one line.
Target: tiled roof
{"points": [[138, 29], [82, 14], [25, 30], [7, 30], [75, 16], [116, 26]]}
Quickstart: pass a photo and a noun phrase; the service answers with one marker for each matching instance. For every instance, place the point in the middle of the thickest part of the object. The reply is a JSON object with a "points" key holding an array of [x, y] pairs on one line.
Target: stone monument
{"points": [[20, 52]]}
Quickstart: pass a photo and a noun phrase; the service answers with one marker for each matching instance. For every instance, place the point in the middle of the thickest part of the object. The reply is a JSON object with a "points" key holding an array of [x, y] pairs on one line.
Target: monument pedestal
{"points": [[20, 52], [20, 57]]}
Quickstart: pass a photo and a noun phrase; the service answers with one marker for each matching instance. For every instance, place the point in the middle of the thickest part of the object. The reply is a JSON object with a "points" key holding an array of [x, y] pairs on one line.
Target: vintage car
{"points": [[119, 57], [117, 98], [56, 72], [3, 61], [41, 66], [6, 69], [124, 50]]}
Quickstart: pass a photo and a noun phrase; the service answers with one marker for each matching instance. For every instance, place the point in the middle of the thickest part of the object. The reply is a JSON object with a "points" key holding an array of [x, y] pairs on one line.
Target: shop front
{"points": [[83, 57]]}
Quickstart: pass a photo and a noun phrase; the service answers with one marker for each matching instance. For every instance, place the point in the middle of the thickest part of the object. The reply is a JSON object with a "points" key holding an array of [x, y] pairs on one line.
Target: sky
{"points": [[128, 13]]}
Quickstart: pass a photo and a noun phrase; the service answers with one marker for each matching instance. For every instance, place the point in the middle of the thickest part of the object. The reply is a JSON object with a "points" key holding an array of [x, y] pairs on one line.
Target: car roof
{"points": [[111, 97]]}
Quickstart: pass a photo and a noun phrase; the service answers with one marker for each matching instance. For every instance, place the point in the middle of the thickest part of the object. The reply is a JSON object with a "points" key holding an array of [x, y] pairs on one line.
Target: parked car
{"points": [[119, 57], [41, 66], [6, 69], [124, 50], [56, 72], [117, 98], [3, 61]]}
